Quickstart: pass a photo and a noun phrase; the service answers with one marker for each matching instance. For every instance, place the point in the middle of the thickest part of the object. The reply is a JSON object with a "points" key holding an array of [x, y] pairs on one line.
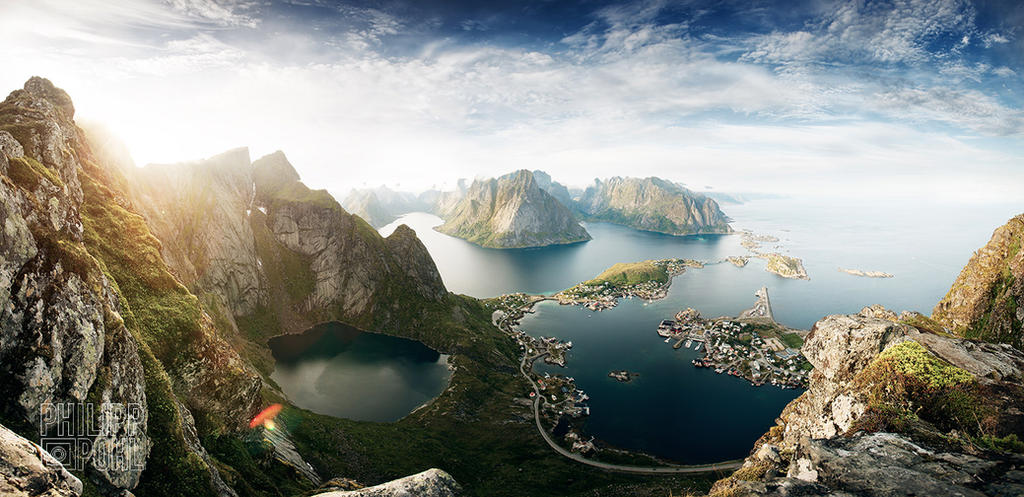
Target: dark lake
{"points": [[342, 371]]}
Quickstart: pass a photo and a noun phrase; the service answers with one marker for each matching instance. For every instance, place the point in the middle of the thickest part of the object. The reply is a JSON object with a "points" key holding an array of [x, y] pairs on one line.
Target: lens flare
{"points": [[266, 417]]}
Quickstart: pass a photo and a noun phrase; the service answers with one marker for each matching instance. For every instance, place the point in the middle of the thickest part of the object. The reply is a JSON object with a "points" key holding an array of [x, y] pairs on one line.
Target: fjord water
{"points": [[692, 415], [923, 245], [342, 371], [672, 409]]}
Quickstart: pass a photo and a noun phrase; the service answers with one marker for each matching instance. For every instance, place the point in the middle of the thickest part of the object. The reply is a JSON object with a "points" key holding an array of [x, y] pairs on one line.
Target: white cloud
{"points": [[622, 96]]}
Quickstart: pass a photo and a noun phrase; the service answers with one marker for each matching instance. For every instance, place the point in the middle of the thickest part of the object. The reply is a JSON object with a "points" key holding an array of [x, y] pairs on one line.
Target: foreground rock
{"points": [[878, 417], [512, 211], [430, 483], [26, 470]]}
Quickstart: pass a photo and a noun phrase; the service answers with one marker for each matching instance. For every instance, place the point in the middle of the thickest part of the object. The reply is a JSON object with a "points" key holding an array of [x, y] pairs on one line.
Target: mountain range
{"points": [[529, 209]]}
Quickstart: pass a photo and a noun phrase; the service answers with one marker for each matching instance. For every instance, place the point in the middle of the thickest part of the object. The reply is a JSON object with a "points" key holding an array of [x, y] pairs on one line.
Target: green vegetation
{"points": [[631, 273], [27, 172], [924, 323], [792, 340], [158, 311], [906, 383]]}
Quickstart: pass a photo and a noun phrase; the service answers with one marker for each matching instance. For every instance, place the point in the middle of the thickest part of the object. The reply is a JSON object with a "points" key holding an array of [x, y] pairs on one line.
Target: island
{"points": [[651, 204], [785, 266], [866, 274], [648, 280], [512, 211], [738, 260], [622, 376]]}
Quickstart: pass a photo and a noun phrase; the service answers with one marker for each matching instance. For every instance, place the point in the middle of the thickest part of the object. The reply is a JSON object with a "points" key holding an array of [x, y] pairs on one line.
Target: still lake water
{"points": [[341, 371], [693, 415]]}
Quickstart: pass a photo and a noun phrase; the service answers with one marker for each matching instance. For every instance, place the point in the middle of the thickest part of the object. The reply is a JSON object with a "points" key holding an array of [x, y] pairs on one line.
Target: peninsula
{"points": [[648, 280]]}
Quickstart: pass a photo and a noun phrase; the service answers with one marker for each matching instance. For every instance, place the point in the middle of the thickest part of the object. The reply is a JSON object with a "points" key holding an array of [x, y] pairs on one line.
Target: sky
{"points": [[916, 99]]}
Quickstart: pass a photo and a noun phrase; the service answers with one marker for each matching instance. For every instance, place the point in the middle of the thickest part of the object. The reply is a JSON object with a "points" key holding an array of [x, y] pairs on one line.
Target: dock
{"points": [[679, 343]]}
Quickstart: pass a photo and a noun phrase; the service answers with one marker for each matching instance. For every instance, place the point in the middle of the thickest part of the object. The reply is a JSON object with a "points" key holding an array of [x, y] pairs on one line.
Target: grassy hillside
{"points": [[631, 273]]}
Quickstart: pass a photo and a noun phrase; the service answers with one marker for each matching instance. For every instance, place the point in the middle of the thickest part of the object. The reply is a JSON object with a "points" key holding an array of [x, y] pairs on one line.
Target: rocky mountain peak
{"points": [[42, 88], [511, 211]]}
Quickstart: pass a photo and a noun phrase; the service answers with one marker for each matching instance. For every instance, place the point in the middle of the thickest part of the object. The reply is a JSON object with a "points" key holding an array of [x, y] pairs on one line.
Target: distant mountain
{"points": [[651, 204], [512, 211], [555, 189], [382, 205]]}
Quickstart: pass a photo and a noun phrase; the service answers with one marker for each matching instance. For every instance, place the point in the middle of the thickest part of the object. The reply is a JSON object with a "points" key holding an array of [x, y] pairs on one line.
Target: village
{"points": [[752, 346], [647, 280], [564, 404]]}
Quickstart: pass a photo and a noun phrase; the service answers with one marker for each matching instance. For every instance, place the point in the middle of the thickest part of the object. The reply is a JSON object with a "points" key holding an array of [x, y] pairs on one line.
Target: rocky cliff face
{"points": [[199, 212], [89, 312], [512, 212], [891, 410], [652, 204], [987, 299], [352, 267]]}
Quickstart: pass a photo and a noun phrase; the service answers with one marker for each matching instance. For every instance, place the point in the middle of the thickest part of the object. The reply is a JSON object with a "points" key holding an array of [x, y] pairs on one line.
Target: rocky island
{"points": [[865, 274], [512, 211], [785, 266], [622, 376], [651, 204]]}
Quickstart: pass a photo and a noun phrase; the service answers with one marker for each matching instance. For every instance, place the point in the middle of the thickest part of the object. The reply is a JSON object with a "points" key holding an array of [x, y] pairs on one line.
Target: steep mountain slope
{"points": [[987, 299], [91, 313], [651, 204], [512, 212]]}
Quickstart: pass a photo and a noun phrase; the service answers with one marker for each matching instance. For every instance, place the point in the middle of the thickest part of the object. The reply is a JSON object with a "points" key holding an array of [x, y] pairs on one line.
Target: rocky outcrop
{"points": [[28, 471], [866, 368], [430, 483], [652, 204], [987, 299], [512, 212]]}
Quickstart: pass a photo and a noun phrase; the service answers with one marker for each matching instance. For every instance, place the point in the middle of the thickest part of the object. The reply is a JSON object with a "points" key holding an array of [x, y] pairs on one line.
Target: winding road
{"points": [[648, 470]]}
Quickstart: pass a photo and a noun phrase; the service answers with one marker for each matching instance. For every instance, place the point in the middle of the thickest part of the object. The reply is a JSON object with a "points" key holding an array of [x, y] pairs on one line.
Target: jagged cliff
{"points": [[987, 299], [90, 313], [512, 211], [651, 204]]}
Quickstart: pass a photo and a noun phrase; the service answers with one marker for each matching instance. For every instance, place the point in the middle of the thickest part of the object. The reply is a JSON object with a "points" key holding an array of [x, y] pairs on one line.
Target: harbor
{"points": [[752, 346]]}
